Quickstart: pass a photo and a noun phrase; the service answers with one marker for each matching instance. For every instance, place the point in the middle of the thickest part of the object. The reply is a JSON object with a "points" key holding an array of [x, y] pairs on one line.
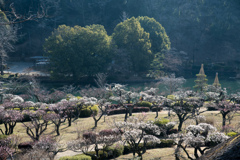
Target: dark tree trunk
{"points": [[223, 119], [57, 130], [180, 124], [69, 121], [157, 111], [195, 153], [126, 115]]}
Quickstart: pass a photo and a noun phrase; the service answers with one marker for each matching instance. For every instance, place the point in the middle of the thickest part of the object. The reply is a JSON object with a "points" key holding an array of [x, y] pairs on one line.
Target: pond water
{"points": [[232, 85]]}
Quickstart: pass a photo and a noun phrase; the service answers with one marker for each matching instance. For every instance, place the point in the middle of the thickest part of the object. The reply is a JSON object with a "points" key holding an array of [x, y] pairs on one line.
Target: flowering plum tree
{"points": [[185, 108], [201, 137], [226, 107], [124, 98], [92, 140], [57, 117], [37, 125], [9, 119], [68, 108], [135, 131], [150, 95]]}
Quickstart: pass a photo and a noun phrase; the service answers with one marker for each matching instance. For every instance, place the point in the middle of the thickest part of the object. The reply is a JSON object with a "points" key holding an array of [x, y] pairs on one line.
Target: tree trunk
{"points": [[180, 125], [223, 120], [126, 115], [95, 123], [156, 112], [69, 121], [195, 153], [130, 111], [2, 73], [57, 130]]}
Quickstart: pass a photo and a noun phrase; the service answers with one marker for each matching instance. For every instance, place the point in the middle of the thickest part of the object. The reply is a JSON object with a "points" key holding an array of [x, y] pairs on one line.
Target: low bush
{"points": [[141, 109], [127, 149], [144, 104], [26, 118], [86, 112], [165, 143], [102, 155], [123, 110], [26, 145], [154, 109], [76, 157], [2, 136], [161, 122], [209, 108], [115, 150], [231, 134]]}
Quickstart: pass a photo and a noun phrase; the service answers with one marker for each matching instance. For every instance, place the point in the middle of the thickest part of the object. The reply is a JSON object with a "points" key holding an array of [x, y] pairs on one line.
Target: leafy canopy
{"points": [[78, 51]]}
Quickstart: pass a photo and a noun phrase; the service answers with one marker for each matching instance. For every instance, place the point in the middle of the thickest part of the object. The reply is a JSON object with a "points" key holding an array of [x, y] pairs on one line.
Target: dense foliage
{"points": [[78, 51]]}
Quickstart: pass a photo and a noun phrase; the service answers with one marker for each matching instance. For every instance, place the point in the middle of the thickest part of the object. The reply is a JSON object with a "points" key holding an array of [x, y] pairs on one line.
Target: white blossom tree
{"points": [[201, 137], [93, 140], [136, 131]]}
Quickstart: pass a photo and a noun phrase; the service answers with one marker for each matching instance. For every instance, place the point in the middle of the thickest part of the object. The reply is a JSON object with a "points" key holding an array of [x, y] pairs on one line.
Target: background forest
{"points": [[206, 30], [202, 31]]}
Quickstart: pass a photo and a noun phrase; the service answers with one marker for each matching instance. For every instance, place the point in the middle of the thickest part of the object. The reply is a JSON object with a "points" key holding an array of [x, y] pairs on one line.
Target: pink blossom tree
{"points": [[10, 119], [37, 125]]}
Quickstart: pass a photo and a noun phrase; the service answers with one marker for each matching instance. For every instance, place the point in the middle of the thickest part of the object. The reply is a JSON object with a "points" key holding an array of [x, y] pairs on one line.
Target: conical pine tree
{"points": [[216, 82], [201, 81]]}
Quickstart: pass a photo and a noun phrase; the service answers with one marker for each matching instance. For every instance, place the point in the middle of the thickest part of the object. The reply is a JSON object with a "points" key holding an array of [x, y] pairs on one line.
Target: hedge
{"points": [[144, 104], [123, 110], [115, 150], [164, 144], [76, 157], [86, 112], [161, 122], [231, 134], [154, 109], [102, 155]]}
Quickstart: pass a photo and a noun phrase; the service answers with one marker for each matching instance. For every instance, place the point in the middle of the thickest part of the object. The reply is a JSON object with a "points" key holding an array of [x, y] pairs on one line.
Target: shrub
{"points": [[144, 104], [102, 155], [154, 109], [161, 122], [209, 108], [26, 145], [231, 134], [172, 97], [166, 143], [86, 112], [127, 149], [2, 136], [76, 157], [123, 110], [115, 150], [26, 118], [141, 109]]}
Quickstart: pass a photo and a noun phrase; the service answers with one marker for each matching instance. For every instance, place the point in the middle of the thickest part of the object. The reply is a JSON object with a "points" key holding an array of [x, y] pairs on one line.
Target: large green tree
{"points": [[158, 36], [159, 40], [129, 35], [78, 51]]}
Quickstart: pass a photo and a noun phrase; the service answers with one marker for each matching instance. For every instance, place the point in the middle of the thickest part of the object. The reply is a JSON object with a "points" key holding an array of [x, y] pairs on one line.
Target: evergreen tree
{"points": [[216, 82], [201, 81]]}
